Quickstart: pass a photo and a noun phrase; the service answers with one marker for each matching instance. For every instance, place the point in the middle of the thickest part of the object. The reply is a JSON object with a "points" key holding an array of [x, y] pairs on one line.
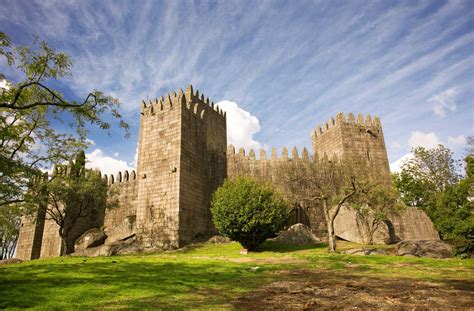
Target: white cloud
{"points": [[395, 145], [135, 158], [107, 165], [457, 141], [444, 102], [396, 166], [4, 84], [241, 126], [426, 140]]}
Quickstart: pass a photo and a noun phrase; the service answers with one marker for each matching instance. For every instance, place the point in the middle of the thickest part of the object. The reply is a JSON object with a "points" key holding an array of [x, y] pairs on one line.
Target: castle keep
{"points": [[183, 158]]}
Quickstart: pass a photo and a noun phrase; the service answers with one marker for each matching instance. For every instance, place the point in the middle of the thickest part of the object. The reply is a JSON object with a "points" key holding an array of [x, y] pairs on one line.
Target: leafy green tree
{"points": [[431, 181], [28, 140], [248, 211], [73, 199], [9, 228], [374, 203]]}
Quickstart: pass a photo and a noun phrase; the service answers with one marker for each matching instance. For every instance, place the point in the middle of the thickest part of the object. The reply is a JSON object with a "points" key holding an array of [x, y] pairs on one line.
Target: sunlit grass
{"points": [[204, 275]]}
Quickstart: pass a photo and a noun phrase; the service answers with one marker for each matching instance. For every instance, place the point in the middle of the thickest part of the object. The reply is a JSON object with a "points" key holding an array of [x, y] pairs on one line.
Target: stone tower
{"points": [[354, 139], [181, 162]]}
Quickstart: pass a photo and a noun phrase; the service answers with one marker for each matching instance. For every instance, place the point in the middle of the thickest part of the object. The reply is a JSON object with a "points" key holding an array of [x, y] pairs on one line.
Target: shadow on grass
{"points": [[122, 283], [277, 247]]}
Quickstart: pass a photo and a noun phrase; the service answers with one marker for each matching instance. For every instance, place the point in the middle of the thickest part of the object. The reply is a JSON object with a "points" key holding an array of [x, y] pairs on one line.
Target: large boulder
{"points": [[413, 224], [129, 245], [346, 228], [298, 234], [91, 238], [424, 248]]}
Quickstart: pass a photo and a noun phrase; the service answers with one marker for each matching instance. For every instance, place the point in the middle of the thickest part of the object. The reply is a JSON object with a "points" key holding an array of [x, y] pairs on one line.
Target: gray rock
{"points": [[127, 246], [91, 238], [219, 239], [298, 234], [346, 228], [424, 248]]}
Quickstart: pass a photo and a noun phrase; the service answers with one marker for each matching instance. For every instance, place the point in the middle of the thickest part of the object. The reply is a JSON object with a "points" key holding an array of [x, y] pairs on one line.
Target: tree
{"points": [[322, 184], [374, 203], [71, 197], [431, 181], [248, 211], [9, 228], [28, 139], [428, 173]]}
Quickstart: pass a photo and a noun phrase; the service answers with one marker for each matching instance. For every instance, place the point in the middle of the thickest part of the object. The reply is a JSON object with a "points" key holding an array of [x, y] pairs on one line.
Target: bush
{"points": [[247, 211]]}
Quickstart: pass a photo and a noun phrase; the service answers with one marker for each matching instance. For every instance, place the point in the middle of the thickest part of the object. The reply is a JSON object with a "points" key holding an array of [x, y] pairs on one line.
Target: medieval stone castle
{"points": [[183, 158]]}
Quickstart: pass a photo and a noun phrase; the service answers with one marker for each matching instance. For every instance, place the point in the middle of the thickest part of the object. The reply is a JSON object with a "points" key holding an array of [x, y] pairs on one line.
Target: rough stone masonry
{"points": [[183, 158]]}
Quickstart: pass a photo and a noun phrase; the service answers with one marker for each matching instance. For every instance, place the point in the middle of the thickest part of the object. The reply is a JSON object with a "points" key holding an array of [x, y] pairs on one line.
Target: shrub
{"points": [[247, 211]]}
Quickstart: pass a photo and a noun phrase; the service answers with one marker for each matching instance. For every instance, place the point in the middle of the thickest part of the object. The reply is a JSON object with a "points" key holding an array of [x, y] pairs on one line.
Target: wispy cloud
{"points": [[399, 60], [444, 102]]}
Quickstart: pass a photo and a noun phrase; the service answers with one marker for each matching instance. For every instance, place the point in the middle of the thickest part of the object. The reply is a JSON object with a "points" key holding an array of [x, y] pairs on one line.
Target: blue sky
{"points": [[282, 67]]}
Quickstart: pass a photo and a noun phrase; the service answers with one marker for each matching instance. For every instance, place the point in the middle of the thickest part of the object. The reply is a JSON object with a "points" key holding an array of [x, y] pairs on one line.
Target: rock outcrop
{"points": [[123, 247], [414, 224], [90, 238], [298, 234], [346, 228], [424, 248]]}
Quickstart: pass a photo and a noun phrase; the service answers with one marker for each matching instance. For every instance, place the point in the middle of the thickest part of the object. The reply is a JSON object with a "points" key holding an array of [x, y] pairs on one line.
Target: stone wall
{"points": [[158, 169], [26, 248], [183, 159], [357, 140], [181, 137], [51, 243], [266, 169], [203, 146], [121, 214]]}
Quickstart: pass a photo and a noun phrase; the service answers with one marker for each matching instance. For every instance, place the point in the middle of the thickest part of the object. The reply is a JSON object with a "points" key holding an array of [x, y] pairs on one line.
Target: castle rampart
{"points": [[183, 158]]}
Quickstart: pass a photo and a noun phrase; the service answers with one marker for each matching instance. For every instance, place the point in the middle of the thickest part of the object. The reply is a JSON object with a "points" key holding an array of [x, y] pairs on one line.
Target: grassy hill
{"points": [[217, 276]]}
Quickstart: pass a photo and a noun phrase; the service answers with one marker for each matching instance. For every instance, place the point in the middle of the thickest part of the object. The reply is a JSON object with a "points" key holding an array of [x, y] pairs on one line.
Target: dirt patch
{"points": [[322, 290]]}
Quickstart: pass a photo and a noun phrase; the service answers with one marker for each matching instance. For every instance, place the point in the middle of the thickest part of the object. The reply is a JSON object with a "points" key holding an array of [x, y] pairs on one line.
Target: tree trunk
{"points": [[331, 237], [330, 227]]}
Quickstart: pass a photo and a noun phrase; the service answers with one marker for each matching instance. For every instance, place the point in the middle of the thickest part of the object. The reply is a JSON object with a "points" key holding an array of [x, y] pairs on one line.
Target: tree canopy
{"points": [[30, 107], [248, 211], [432, 181]]}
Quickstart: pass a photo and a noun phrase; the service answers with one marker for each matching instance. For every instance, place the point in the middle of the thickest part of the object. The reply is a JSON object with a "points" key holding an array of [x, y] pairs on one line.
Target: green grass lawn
{"points": [[202, 276]]}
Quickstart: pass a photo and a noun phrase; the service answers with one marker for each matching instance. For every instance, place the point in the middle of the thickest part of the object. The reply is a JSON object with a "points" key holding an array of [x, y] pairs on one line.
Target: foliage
{"points": [[374, 203], [431, 181], [322, 184], [9, 228], [69, 198], [453, 216], [28, 141], [248, 211]]}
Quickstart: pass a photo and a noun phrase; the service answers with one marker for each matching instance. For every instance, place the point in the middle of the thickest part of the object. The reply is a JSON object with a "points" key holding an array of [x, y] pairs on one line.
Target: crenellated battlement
{"points": [[341, 120], [295, 155], [183, 157], [196, 103], [120, 177]]}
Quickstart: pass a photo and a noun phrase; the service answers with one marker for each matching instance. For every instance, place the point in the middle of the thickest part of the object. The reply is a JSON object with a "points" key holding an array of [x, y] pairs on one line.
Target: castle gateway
{"points": [[183, 158]]}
